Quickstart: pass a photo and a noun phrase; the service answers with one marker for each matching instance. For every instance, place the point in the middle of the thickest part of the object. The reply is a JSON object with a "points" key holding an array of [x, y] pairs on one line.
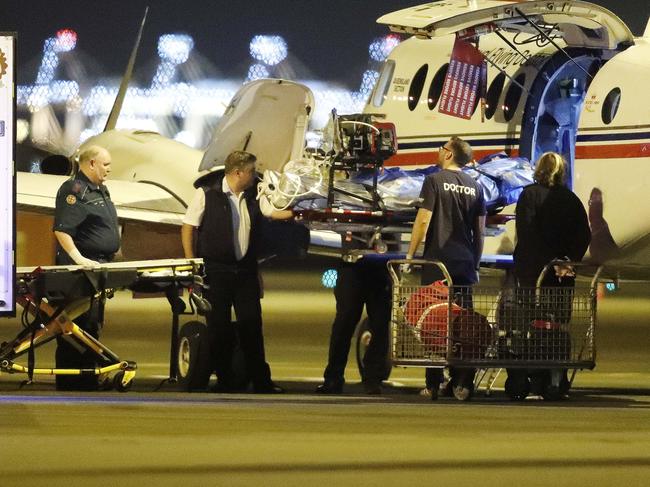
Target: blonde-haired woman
{"points": [[551, 224]]}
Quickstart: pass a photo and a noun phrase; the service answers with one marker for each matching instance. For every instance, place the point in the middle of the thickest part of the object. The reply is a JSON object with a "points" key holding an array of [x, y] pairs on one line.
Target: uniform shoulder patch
{"points": [[71, 199]]}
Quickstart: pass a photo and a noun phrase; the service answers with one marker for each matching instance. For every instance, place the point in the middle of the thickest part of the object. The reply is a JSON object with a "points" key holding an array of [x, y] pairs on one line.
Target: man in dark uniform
{"points": [[365, 282], [224, 221], [86, 229], [452, 217]]}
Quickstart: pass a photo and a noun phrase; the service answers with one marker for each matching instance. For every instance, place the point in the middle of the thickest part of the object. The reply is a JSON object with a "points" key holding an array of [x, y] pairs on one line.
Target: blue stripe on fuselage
{"points": [[614, 137]]}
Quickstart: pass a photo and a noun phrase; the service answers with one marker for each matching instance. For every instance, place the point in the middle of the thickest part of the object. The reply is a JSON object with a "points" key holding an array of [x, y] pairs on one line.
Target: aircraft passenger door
{"points": [[553, 110]]}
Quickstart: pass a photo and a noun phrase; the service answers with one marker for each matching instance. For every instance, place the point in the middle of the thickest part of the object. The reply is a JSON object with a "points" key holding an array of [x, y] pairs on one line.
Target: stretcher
{"points": [[53, 297], [536, 333]]}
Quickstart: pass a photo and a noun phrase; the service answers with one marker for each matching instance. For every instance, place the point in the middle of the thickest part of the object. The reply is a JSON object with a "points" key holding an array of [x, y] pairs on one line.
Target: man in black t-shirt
{"points": [[452, 217]]}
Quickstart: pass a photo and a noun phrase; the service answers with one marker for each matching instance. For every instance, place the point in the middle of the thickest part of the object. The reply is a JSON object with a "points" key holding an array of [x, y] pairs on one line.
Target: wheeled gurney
{"points": [[53, 297]]}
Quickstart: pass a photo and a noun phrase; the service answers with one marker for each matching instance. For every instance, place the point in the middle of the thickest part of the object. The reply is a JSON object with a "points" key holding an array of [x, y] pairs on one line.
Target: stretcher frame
{"points": [[50, 321]]}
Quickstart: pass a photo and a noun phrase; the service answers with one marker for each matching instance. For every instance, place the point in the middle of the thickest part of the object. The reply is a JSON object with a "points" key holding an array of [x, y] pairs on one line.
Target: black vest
{"points": [[215, 234]]}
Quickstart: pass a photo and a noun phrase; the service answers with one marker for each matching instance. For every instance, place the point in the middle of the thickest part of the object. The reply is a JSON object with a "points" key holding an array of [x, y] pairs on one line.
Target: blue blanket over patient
{"points": [[502, 179]]}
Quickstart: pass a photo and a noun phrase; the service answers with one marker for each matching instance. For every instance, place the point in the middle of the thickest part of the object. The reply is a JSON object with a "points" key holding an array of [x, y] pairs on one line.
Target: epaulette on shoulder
{"points": [[76, 186]]}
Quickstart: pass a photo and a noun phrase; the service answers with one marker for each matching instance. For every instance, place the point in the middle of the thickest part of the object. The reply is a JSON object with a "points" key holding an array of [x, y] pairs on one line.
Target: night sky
{"points": [[329, 37]]}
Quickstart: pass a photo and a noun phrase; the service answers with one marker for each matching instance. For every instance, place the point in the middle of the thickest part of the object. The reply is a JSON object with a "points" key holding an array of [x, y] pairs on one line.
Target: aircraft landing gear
{"points": [[195, 364], [193, 357]]}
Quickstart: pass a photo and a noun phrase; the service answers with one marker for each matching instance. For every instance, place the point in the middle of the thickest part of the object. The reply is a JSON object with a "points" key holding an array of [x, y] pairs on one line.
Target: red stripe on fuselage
{"points": [[431, 157], [611, 151], [412, 159], [614, 151]]}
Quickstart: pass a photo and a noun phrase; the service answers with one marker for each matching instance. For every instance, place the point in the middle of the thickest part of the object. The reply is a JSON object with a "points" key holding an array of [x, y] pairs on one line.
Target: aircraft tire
{"points": [[193, 357]]}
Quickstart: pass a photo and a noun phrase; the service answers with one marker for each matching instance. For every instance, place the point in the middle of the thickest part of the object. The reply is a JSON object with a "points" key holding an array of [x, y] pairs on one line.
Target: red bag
{"points": [[427, 311]]}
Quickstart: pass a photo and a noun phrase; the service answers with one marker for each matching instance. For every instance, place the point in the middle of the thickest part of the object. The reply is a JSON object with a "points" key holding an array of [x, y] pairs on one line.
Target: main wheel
{"points": [[364, 336], [193, 357]]}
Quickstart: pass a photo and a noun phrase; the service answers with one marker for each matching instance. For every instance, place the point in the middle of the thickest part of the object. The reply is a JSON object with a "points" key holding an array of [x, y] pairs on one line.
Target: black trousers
{"points": [[462, 291], [363, 283], [241, 290]]}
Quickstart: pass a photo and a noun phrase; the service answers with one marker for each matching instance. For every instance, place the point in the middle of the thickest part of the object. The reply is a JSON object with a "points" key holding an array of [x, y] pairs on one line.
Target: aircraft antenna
{"points": [[548, 38], [247, 140], [124, 84]]}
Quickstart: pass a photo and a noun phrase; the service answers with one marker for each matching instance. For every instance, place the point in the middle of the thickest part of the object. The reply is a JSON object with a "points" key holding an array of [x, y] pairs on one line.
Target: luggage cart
{"points": [[537, 334]]}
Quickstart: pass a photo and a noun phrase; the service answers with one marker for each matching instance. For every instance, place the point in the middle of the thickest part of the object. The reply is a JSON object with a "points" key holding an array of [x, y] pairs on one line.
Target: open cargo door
{"points": [[268, 118], [579, 24]]}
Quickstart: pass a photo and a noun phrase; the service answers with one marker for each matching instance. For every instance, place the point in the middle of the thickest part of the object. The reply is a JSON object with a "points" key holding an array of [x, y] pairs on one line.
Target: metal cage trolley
{"points": [[536, 333]]}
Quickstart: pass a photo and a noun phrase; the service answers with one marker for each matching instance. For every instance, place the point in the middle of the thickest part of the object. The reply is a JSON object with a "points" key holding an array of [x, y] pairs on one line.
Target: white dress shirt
{"points": [[241, 222]]}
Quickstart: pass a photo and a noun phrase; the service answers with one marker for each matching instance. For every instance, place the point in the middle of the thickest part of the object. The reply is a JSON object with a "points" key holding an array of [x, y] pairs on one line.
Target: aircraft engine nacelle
{"points": [[57, 164]]}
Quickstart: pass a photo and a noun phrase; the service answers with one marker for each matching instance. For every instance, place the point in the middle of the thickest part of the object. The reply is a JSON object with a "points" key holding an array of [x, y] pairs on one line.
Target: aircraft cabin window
{"points": [[416, 86], [383, 84], [435, 89], [493, 95], [610, 106], [513, 96]]}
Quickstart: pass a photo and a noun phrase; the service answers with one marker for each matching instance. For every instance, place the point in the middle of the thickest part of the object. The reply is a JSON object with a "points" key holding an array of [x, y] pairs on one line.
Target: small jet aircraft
{"points": [[554, 75]]}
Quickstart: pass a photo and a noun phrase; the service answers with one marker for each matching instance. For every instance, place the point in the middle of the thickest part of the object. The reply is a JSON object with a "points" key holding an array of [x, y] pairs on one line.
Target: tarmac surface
{"points": [[156, 435]]}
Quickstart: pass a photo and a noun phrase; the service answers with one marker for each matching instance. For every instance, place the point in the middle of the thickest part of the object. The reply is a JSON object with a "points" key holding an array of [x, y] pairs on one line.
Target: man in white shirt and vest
{"points": [[223, 224]]}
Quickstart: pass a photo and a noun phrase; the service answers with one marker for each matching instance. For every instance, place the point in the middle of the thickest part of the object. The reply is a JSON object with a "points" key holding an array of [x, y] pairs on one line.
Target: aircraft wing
{"points": [[579, 23], [133, 201]]}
